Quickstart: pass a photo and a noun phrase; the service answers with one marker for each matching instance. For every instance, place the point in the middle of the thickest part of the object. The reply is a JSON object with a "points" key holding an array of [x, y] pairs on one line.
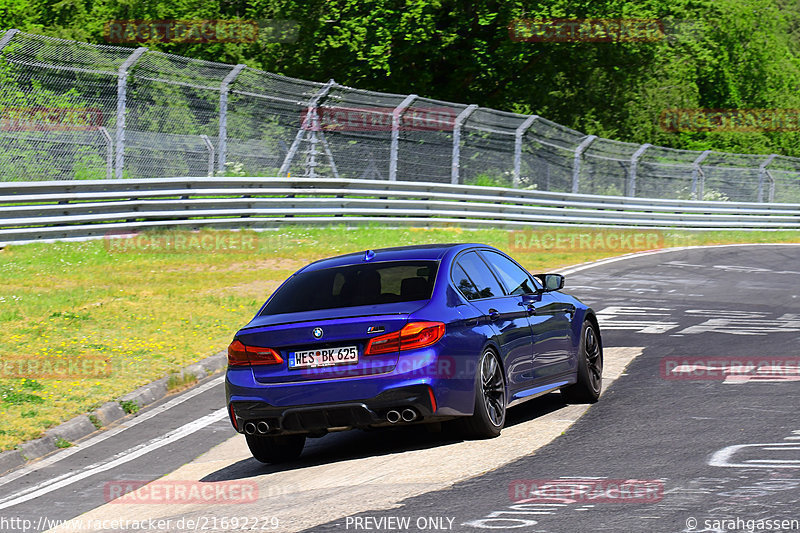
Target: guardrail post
{"points": [[632, 171], [576, 161], [397, 115], [518, 134], [109, 152], [223, 117], [122, 84], [7, 36], [309, 121], [455, 167], [210, 148], [763, 173], [698, 178]]}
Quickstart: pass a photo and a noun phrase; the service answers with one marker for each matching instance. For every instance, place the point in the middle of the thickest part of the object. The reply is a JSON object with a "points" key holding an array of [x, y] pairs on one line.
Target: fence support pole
{"points": [[223, 117], [518, 134], [632, 170], [122, 84], [455, 166], [576, 161], [327, 148], [698, 178], [763, 173], [109, 152], [7, 36], [309, 121], [397, 115], [771, 197], [210, 148]]}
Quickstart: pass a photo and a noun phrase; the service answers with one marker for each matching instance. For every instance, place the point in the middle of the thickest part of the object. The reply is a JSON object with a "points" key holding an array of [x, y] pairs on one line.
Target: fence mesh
{"points": [[71, 110]]}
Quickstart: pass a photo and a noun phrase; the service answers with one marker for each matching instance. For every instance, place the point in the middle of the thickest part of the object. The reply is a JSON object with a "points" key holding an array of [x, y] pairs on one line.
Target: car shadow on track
{"points": [[350, 445]]}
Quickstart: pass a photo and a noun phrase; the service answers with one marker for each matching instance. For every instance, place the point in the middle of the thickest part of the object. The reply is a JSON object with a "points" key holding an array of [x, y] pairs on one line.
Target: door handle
{"points": [[494, 314], [531, 309]]}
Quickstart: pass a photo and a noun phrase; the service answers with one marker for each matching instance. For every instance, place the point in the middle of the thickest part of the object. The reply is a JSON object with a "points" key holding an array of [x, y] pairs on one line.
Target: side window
{"points": [[481, 276], [464, 284], [516, 280]]}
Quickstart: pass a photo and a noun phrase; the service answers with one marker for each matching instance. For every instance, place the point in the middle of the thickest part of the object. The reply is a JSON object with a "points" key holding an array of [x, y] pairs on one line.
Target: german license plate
{"points": [[321, 357]]}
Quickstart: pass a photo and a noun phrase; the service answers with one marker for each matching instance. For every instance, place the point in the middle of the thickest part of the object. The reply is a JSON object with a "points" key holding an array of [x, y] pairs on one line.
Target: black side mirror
{"points": [[551, 282]]}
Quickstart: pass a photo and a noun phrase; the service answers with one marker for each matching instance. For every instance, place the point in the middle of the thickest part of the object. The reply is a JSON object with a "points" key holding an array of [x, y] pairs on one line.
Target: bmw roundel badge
{"points": [[317, 333]]}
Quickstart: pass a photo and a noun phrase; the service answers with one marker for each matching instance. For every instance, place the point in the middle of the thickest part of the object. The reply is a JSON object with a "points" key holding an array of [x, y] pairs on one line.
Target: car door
{"points": [[553, 351], [549, 318], [504, 313]]}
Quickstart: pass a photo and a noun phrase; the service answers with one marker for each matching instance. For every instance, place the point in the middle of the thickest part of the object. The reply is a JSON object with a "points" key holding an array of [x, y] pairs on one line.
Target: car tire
{"points": [[489, 416], [590, 368], [276, 449]]}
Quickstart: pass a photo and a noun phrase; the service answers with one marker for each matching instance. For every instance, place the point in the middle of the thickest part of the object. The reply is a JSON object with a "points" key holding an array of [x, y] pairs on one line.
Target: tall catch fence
{"points": [[72, 110]]}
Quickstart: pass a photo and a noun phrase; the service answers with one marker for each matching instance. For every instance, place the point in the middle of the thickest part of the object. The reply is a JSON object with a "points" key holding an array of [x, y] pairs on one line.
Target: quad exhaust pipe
{"points": [[409, 415], [261, 427], [406, 415]]}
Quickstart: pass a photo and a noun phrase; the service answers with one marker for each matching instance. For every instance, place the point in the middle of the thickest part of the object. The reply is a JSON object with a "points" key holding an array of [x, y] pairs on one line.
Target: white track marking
{"points": [[144, 417], [119, 459], [724, 456], [585, 266]]}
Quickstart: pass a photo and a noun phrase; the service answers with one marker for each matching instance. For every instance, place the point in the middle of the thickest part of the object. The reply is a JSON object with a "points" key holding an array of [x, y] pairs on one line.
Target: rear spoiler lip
{"points": [[265, 321]]}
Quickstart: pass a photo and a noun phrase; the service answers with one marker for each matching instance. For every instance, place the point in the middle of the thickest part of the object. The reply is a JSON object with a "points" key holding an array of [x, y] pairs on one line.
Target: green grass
{"points": [[129, 406], [146, 314], [95, 421], [176, 382]]}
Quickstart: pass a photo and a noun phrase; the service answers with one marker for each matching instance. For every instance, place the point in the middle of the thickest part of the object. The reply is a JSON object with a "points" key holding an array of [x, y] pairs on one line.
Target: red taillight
{"points": [[420, 334], [263, 356], [241, 355], [413, 335], [384, 344], [237, 354]]}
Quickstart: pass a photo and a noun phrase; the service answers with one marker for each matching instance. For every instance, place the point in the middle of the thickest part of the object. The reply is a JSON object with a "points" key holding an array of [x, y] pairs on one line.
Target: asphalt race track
{"points": [[679, 442]]}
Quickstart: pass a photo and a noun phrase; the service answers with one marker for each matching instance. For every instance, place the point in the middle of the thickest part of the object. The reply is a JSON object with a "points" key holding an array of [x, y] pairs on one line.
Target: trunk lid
{"points": [[291, 333]]}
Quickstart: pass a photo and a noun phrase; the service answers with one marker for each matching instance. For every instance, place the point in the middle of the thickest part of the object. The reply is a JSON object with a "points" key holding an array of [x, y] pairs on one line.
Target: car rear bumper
{"points": [[321, 418], [358, 401]]}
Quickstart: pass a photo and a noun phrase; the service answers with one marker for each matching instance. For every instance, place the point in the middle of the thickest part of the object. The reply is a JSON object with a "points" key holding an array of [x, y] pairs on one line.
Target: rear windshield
{"points": [[352, 285]]}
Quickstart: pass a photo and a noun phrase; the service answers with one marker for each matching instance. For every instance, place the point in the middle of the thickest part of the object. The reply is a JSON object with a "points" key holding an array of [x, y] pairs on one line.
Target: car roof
{"points": [[422, 252]]}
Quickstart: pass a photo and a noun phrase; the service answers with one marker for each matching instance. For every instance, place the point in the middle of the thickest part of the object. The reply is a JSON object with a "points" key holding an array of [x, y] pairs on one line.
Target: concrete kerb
{"points": [[84, 425]]}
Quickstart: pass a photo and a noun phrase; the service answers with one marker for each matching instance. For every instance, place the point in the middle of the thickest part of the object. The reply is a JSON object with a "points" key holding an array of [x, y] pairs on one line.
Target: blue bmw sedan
{"points": [[408, 335]]}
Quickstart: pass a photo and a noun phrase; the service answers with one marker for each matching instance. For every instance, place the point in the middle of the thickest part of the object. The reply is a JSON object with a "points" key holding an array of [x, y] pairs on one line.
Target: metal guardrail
{"points": [[58, 210]]}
